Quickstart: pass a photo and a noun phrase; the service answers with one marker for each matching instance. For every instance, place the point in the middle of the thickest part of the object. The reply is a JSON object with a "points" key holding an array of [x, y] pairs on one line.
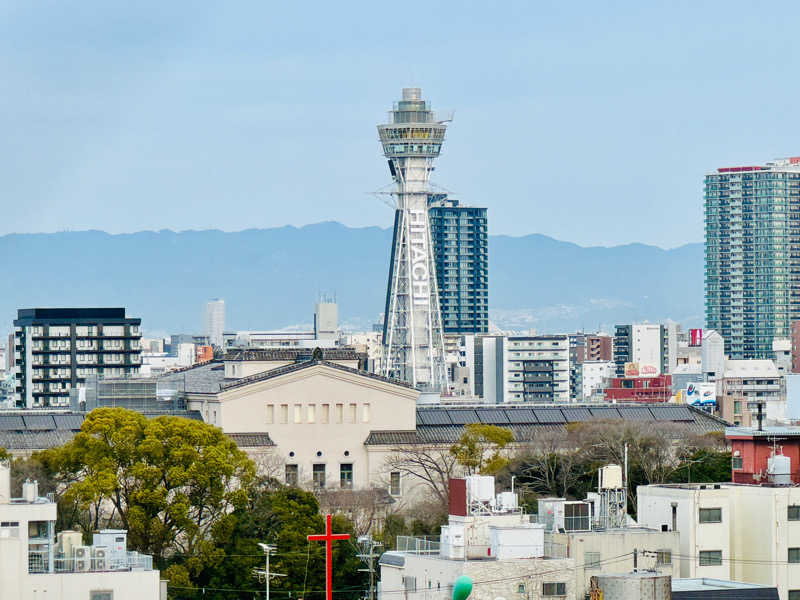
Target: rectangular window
{"points": [[793, 512], [346, 476], [270, 414], [794, 555], [736, 462], [365, 413], [710, 558], [339, 411], [554, 589], [394, 483], [324, 413], [284, 413], [591, 560], [312, 413], [319, 476], [711, 515], [663, 557], [351, 415], [794, 595], [291, 475], [298, 413]]}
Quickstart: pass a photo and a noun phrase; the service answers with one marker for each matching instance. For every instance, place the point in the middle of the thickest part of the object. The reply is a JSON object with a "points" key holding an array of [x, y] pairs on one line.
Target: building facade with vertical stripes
{"points": [[752, 255]]}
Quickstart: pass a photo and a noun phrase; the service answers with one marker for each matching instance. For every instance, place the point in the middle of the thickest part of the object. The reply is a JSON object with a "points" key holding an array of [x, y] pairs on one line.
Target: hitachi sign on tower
{"points": [[412, 330]]}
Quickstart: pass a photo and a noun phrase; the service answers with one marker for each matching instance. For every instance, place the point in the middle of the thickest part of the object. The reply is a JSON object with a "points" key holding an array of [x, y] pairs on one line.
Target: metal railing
{"points": [[39, 562], [416, 545]]}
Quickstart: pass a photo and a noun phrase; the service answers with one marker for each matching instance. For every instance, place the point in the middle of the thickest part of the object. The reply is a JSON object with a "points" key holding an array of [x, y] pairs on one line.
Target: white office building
{"points": [[747, 533], [215, 321]]}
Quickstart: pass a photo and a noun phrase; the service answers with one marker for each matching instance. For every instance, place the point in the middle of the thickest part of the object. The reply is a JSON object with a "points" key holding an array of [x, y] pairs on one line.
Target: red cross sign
{"points": [[328, 537]]}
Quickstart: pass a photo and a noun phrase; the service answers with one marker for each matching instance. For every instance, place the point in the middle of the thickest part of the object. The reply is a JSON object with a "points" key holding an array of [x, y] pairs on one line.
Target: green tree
{"points": [[171, 481], [479, 450], [703, 466], [282, 517]]}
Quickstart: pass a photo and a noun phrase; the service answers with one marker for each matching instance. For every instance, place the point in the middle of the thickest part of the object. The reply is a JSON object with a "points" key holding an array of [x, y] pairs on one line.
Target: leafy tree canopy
{"points": [[170, 480], [479, 449]]}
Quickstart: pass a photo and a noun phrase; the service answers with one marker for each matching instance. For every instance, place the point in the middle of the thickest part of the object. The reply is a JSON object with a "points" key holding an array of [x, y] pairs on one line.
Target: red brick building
{"points": [[598, 347], [751, 449], [640, 389]]}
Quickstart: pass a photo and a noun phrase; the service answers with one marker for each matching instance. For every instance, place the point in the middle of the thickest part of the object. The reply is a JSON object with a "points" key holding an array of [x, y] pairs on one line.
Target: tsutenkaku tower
{"points": [[413, 342]]}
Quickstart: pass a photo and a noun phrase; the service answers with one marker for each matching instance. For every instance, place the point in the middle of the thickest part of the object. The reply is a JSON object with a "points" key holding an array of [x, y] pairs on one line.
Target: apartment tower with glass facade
{"points": [[752, 255], [460, 249]]}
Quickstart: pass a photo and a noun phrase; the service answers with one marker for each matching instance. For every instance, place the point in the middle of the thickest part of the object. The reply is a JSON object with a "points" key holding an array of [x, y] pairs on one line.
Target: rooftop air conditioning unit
{"points": [[83, 558], [99, 558]]}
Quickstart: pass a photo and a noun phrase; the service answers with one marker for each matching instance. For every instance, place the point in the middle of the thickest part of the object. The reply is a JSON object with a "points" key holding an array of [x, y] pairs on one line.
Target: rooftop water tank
{"points": [[633, 586], [779, 469], [611, 477], [480, 488]]}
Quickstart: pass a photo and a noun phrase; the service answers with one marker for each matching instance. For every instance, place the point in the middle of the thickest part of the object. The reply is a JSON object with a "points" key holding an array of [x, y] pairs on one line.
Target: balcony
{"points": [[418, 545], [39, 562]]}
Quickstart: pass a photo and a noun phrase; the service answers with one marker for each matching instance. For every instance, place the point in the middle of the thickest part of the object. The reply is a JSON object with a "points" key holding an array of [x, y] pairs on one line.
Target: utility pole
{"points": [[267, 548], [367, 546]]}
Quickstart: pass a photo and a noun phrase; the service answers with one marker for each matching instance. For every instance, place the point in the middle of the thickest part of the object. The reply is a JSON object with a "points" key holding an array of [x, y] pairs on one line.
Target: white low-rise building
{"points": [[35, 564], [596, 374], [747, 533], [489, 540]]}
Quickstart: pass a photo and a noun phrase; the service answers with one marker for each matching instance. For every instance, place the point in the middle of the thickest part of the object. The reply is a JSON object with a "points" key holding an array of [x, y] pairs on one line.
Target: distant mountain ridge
{"points": [[270, 278]]}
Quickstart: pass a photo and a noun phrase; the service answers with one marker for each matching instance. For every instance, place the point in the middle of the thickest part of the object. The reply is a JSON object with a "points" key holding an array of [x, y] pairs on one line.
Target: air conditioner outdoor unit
{"points": [[83, 558], [100, 558]]}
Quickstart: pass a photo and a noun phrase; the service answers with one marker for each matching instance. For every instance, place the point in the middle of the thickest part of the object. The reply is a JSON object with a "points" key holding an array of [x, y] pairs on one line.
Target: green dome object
{"points": [[462, 588]]}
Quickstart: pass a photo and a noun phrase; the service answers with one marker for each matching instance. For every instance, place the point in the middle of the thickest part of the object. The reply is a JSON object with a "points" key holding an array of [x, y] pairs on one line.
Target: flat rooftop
{"points": [[766, 432], [704, 584]]}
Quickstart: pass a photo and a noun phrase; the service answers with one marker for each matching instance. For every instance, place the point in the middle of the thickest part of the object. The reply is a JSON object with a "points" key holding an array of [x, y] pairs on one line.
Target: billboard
{"points": [[631, 369], [701, 393], [640, 370], [695, 337]]}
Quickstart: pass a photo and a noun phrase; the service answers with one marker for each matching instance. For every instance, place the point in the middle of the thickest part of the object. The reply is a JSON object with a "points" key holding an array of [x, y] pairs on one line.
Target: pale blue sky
{"points": [[590, 122]]}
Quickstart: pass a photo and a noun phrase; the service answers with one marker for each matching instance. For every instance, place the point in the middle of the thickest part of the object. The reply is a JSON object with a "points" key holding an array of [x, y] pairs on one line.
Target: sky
{"points": [[590, 122]]}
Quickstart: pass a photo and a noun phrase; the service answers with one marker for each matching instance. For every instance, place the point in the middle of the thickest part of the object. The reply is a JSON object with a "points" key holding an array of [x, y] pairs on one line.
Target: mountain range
{"points": [[270, 278]]}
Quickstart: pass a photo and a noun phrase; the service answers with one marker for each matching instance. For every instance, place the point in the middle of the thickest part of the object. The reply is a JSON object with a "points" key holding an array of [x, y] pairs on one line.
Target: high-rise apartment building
{"points": [[56, 349], [215, 321], [460, 248], [752, 233]]}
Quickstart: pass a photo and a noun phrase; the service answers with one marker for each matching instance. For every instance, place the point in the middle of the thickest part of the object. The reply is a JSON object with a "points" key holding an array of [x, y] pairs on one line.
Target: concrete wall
{"points": [[612, 544], [491, 578], [755, 534], [654, 509]]}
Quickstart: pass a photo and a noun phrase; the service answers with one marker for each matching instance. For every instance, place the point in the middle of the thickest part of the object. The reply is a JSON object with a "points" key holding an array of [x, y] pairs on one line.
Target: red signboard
{"points": [[695, 337]]}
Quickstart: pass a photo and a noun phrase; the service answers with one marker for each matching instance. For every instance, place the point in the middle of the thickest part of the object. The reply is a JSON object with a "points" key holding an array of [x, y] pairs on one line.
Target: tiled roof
{"points": [[294, 354], [445, 425], [201, 379], [251, 440], [34, 440], [304, 365], [39, 430]]}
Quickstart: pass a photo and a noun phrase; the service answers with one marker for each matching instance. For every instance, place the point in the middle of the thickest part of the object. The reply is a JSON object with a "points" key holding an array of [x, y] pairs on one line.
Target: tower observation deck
{"points": [[412, 330]]}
